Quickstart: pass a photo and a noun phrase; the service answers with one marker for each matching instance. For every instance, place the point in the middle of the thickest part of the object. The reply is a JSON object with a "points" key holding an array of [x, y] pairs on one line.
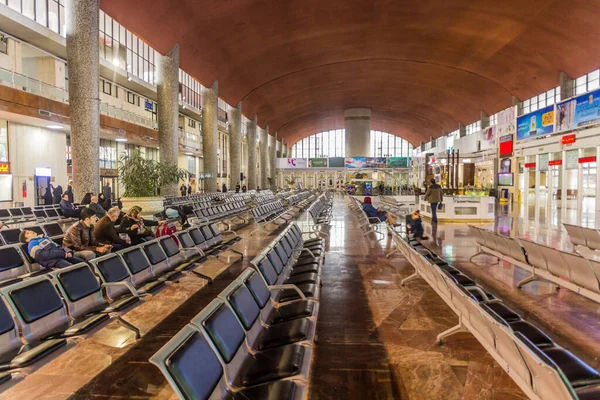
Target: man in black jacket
{"points": [[68, 209], [106, 232]]}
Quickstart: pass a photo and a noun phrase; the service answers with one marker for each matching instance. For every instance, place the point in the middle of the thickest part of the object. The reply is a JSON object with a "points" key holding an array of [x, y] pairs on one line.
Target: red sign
{"points": [[4, 168], [554, 163], [531, 165], [506, 145], [567, 139], [584, 160]]}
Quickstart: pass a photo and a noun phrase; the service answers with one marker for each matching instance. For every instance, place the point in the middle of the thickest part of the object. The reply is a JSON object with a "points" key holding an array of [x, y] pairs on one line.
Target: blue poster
{"points": [[537, 123], [579, 111], [356, 162]]}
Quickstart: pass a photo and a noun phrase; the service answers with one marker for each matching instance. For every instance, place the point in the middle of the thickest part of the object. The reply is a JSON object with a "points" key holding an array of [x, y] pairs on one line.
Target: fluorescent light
{"points": [[120, 139], [189, 154], [116, 62], [128, 66], [129, 77], [54, 127]]}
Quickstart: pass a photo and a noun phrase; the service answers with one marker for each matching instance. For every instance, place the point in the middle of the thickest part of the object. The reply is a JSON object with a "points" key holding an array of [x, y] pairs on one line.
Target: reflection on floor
{"points": [[377, 339]]}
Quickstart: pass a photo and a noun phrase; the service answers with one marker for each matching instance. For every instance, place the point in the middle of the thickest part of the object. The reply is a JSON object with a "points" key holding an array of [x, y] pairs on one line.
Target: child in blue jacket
{"points": [[47, 253]]}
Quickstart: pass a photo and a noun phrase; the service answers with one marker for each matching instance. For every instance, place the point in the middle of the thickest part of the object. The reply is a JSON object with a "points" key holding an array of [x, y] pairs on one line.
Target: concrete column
{"points": [[357, 122], [516, 102], [580, 182], [566, 84], [235, 143], [210, 135], [563, 186], [264, 157], [167, 89], [251, 143], [82, 57], [462, 130], [485, 119], [272, 161]]}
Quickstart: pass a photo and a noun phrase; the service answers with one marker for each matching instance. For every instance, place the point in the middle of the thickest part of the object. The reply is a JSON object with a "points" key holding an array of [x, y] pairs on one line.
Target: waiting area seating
{"points": [[565, 269], [580, 236], [541, 368], [256, 339], [366, 224], [272, 213]]}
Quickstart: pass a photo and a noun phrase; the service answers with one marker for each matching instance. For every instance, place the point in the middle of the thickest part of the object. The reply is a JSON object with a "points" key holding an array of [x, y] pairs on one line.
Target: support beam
{"points": [[210, 135], [251, 159]]}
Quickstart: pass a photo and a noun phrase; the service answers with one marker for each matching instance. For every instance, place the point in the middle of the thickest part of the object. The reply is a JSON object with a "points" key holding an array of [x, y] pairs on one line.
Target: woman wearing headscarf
{"points": [[137, 227], [372, 212], [48, 196], [87, 199], [57, 194]]}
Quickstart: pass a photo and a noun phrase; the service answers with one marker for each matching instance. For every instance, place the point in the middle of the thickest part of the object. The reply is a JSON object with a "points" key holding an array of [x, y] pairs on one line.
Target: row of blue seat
{"points": [[255, 341]]}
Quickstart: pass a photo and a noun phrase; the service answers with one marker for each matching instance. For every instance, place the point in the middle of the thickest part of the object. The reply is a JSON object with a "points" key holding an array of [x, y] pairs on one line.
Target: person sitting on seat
{"points": [[106, 232], [136, 227], [87, 199], [80, 237], [96, 207], [47, 253], [67, 208], [372, 212], [416, 226]]}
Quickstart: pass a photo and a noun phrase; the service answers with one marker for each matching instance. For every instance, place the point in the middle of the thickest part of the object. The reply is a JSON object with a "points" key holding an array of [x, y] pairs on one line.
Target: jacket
{"points": [[106, 233], [97, 208], [68, 209], [434, 194], [47, 253], [58, 192], [69, 192], [371, 211], [107, 192], [79, 238]]}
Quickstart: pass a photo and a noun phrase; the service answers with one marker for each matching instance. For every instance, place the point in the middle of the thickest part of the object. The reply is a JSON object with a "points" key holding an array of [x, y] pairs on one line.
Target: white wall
{"points": [[12, 60], [32, 147]]}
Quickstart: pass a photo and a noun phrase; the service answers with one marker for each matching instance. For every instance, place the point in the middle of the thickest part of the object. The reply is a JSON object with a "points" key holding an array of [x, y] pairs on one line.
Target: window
{"points": [[3, 44], [587, 82], [106, 87], [133, 98], [472, 128], [387, 145], [190, 90], [542, 100], [108, 154], [191, 123], [3, 140], [494, 119], [323, 144]]}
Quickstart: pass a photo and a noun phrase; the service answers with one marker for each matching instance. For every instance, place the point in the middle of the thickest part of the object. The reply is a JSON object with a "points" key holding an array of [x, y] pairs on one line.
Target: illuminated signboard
{"points": [[567, 139], [506, 145], [554, 163], [584, 160], [530, 165], [4, 168]]}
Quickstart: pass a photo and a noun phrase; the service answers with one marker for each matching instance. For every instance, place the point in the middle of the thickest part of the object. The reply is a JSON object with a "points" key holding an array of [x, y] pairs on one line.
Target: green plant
{"points": [[143, 178], [290, 181]]}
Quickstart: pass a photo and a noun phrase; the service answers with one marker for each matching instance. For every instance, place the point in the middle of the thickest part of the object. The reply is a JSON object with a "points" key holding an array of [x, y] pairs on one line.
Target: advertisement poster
{"points": [[317, 163], [356, 162], [579, 111], [297, 163], [489, 135], [397, 162], [572, 159], [544, 158], [537, 123], [376, 162], [507, 120], [336, 162]]}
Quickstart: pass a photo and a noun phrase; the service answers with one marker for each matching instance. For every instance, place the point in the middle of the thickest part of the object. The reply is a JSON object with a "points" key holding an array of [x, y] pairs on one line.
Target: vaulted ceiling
{"points": [[422, 66]]}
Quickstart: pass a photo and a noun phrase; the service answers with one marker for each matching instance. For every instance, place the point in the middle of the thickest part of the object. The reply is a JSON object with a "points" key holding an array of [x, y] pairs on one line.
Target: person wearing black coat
{"points": [[57, 194], [48, 196], [69, 192]]}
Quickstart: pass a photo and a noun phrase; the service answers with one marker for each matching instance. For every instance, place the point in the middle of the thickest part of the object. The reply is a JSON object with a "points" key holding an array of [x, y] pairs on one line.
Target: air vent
{"points": [[45, 113]]}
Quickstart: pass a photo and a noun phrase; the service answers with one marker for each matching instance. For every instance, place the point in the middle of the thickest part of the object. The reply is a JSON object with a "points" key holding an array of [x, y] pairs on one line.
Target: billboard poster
{"points": [[356, 162], [579, 111], [397, 162], [537, 123], [544, 159], [336, 162], [375, 162], [317, 163], [506, 122], [297, 163], [489, 135], [572, 159]]}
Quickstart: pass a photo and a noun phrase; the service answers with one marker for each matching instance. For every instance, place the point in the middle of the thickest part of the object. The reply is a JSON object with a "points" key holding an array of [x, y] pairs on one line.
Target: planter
{"points": [[149, 205]]}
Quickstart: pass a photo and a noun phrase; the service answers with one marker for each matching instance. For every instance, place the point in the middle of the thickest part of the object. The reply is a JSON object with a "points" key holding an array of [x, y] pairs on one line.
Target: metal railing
{"points": [[22, 82]]}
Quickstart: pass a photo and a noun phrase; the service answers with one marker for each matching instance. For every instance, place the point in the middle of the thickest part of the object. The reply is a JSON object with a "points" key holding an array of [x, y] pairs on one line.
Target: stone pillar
{"points": [[264, 157], [279, 154], [84, 99], [273, 161], [167, 89], [235, 143], [566, 84], [210, 135], [285, 150], [357, 122], [462, 130], [251, 142]]}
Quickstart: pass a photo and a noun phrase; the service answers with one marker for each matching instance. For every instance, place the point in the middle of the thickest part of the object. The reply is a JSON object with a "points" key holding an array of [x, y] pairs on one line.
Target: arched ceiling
{"points": [[421, 66]]}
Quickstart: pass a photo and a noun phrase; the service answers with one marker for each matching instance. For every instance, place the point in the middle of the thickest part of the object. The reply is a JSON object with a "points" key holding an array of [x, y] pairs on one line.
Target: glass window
{"points": [[3, 141]]}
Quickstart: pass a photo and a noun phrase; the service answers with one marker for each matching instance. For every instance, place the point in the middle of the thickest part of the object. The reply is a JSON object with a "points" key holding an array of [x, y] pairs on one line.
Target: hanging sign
{"points": [[4, 168], [530, 165], [567, 139], [554, 163], [584, 160]]}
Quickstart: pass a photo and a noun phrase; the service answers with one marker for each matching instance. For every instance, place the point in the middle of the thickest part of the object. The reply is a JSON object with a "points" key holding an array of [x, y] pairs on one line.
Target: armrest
{"points": [[128, 284], [292, 287], [481, 292]]}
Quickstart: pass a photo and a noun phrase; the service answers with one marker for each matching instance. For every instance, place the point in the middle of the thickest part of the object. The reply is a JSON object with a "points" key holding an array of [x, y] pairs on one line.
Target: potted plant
{"points": [[142, 180], [291, 182]]}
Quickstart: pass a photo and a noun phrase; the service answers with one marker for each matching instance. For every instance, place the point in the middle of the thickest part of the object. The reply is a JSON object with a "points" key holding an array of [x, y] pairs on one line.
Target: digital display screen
{"points": [[505, 180]]}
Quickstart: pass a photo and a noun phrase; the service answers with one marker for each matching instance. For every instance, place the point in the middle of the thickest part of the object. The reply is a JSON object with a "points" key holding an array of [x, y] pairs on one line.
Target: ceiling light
{"points": [[54, 127], [129, 77], [189, 154], [121, 139], [116, 62]]}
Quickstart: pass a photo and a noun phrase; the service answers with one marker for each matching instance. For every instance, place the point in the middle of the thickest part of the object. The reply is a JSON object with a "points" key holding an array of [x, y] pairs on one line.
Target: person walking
{"points": [[434, 196]]}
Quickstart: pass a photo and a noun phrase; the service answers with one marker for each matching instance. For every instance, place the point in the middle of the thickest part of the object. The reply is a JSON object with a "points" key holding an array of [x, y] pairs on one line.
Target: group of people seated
{"points": [[90, 237], [414, 223], [100, 204]]}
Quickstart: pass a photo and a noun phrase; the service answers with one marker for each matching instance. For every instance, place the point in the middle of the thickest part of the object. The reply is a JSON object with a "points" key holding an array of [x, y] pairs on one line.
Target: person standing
{"points": [[107, 191], [48, 196], [237, 188], [434, 196], [189, 189], [183, 190], [224, 188], [57, 194]]}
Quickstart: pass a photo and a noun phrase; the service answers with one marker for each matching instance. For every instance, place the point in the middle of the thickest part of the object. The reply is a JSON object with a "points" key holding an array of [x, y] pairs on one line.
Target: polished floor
{"points": [[376, 339]]}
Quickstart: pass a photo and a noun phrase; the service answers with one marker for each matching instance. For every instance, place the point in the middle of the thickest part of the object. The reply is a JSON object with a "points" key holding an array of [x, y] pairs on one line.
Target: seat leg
{"points": [[409, 278], [129, 326], [388, 255], [480, 253], [455, 329], [199, 275], [527, 280], [237, 252]]}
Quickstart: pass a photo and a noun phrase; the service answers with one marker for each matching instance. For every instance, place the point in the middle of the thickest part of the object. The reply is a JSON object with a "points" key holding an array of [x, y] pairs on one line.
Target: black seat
{"points": [[53, 229], [10, 236]]}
